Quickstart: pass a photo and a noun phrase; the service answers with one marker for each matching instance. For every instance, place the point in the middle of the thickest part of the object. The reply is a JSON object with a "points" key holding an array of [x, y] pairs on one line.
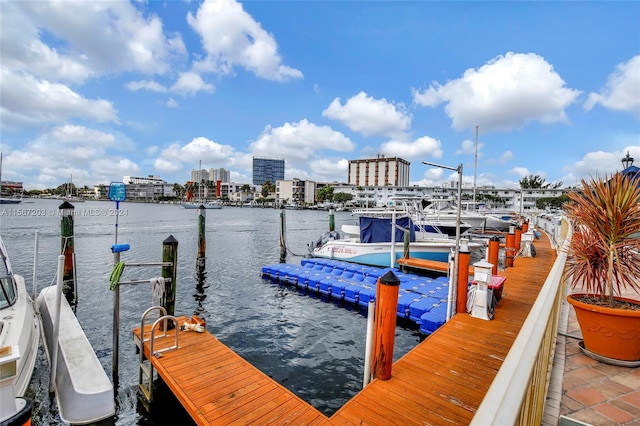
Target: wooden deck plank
{"points": [[442, 381], [217, 386]]}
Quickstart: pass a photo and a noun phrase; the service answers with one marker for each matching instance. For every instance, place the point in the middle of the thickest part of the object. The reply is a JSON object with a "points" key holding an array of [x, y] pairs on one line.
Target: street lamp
{"points": [[454, 280], [627, 161]]}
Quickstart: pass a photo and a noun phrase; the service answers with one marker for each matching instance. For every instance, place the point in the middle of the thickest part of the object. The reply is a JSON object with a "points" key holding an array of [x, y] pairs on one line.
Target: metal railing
{"points": [[518, 392]]}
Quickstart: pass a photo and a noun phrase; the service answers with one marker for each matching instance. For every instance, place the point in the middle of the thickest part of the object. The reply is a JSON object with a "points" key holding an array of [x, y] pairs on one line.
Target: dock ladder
{"points": [[145, 369]]}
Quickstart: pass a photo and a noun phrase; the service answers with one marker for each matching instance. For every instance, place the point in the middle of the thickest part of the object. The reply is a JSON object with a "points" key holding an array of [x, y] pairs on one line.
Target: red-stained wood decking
{"points": [[442, 381], [218, 387]]}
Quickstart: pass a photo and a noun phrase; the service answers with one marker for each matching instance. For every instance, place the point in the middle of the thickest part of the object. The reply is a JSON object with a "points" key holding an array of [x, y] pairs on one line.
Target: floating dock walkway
{"points": [[422, 300], [218, 387], [442, 381]]}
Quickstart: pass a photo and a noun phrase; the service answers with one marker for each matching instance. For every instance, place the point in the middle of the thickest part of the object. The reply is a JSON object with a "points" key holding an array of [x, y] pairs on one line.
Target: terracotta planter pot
{"points": [[608, 332]]}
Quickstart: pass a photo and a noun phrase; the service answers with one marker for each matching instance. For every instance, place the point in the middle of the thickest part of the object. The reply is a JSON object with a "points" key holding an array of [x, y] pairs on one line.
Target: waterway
{"points": [[312, 346]]}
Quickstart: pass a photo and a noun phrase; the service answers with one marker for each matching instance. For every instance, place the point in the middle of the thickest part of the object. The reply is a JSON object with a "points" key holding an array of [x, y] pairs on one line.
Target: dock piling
{"points": [[169, 254], [202, 239], [387, 290], [332, 221], [463, 276], [518, 238], [67, 249], [493, 251], [510, 248], [283, 244]]}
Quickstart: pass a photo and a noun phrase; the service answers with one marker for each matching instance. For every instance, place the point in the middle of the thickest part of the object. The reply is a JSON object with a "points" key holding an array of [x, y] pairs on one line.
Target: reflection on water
{"points": [[313, 346]]}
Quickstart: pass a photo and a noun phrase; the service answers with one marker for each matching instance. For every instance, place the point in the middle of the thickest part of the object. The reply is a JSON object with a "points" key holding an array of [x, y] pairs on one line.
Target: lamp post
{"points": [[454, 280], [627, 161]]}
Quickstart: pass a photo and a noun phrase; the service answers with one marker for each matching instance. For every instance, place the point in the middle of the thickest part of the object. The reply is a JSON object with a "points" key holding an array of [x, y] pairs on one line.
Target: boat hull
{"points": [[379, 254], [213, 206]]}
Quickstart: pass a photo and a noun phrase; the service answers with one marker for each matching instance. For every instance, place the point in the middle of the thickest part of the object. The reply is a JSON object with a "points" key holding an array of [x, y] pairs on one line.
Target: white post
{"points": [[393, 239], [35, 268], [56, 325], [368, 344]]}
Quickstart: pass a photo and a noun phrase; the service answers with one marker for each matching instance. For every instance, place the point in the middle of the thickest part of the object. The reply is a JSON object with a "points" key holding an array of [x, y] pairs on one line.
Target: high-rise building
{"points": [[220, 175], [267, 169], [199, 175], [379, 171]]}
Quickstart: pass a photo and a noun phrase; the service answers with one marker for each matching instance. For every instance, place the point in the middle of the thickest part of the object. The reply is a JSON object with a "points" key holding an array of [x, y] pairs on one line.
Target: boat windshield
{"points": [[7, 291]]}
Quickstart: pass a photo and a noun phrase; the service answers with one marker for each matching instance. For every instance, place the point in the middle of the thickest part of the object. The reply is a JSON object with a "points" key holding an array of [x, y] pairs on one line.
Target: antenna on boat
{"points": [[475, 169]]}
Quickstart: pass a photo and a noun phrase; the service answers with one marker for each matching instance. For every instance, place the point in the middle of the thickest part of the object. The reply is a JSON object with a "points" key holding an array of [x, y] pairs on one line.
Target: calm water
{"points": [[313, 347]]}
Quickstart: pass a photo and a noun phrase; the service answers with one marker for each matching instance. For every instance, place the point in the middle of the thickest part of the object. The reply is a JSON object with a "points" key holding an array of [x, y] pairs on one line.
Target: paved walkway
{"points": [[586, 391]]}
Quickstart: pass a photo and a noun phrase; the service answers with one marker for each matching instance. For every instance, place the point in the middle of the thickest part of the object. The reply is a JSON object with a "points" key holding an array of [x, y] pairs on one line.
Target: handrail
{"points": [[517, 393]]}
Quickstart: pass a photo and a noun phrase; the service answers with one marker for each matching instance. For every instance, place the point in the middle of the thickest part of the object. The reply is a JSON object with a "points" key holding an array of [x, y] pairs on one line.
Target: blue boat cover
{"points": [[378, 230]]}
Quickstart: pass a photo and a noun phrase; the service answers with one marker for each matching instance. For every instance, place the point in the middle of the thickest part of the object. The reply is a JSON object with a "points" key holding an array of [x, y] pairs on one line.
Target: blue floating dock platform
{"points": [[421, 300]]}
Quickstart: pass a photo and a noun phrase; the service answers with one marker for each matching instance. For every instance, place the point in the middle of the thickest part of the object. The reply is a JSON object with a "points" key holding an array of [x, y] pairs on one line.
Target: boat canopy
{"points": [[378, 230]]}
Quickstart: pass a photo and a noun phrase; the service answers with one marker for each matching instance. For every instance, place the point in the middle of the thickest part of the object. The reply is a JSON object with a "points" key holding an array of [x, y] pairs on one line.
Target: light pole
{"points": [[627, 161], [454, 280]]}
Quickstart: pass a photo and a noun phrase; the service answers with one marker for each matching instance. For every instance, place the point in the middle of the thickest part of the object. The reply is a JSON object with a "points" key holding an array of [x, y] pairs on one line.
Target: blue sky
{"points": [[99, 90]]}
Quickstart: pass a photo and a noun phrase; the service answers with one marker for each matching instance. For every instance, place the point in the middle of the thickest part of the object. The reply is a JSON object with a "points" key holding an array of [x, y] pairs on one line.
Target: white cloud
{"points": [[364, 114], [419, 149], [622, 91], [506, 93], [69, 150], [110, 37], [199, 149], [299, 142], [520, 171], [190, 83], [468, 147], [231, 37], [150, 85], [26, 101], [171, 103], [599, 164], [329, 169]]}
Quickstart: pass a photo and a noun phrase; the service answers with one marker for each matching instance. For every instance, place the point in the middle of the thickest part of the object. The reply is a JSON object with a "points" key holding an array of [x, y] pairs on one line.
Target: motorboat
{"points": [[206, 204], [19, 329], [378, 245], [426, 224]]}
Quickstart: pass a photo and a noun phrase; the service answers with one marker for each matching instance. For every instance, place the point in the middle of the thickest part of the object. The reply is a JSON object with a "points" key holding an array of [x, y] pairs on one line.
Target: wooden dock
{"points": [[442, 381], [218, 387], [427, 265]]}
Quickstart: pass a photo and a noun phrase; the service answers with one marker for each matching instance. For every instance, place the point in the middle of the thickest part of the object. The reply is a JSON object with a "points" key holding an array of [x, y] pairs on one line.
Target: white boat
{"points": [[14, 410], [374, 247], [426, 225], [207, 204], [18, 321], [19, 334]]}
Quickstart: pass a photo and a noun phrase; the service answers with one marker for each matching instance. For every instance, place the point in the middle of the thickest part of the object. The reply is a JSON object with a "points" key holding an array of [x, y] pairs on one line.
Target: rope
{"points": [[157, 287], [115, 275]]}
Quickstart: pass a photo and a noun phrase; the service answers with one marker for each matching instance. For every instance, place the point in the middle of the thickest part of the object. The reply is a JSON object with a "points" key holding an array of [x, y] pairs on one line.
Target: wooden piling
{"points": [[202, 239], [283, 243], [510, 248], [493, 251], [387, 290], [407, 240], [463, 278], [332, 221], [67, 249], [169, 254], [518, 238]]}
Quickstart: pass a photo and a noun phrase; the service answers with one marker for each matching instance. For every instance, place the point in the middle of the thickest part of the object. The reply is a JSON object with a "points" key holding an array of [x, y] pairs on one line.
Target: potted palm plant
{"points": [[603, 262]]}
